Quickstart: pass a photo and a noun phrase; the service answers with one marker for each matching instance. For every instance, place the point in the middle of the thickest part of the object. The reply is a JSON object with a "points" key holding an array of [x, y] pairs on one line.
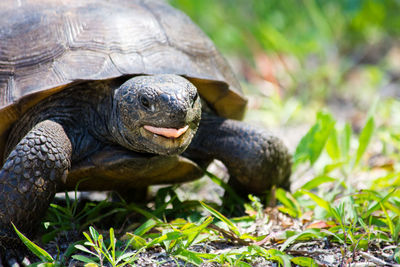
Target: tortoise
{"points": [[117, 96]]}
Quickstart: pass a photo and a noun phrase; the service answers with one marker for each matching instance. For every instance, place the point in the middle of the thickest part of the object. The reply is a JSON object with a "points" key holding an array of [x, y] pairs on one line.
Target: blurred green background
{"points": [[295, 57]]}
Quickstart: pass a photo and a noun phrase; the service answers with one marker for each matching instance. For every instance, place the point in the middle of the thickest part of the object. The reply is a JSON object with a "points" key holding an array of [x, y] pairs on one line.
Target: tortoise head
{"points": [[156, 114]]}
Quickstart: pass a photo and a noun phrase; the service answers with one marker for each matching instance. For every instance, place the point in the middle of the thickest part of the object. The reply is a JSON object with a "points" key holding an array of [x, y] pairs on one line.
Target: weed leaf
{"points": [[304, 261], [219, 215], [38, 251], [145, 227], [82, 258], [309, 233], [311, 145], [364, 139]]}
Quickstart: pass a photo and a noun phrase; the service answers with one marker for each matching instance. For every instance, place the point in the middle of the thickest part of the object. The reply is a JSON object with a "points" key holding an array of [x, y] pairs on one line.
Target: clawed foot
{"points": [[256, 160]]}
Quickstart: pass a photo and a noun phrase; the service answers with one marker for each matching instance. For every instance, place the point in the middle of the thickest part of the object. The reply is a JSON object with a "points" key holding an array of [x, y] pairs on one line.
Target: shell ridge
{"points": [[72, 29], [11, 90], [148, 9]]}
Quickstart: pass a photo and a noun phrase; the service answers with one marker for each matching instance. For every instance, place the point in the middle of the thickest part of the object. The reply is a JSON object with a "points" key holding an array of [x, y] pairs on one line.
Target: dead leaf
{"points": [[320, 225]]}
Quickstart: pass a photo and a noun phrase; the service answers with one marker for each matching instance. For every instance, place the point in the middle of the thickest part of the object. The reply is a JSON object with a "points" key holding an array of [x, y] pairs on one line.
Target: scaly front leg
{"points": [[28, 181], [255, 159]]}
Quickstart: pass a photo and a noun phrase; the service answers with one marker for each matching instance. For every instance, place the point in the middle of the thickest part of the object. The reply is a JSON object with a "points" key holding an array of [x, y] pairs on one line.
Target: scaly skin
{"points": [[256, 160], [29, 180]]}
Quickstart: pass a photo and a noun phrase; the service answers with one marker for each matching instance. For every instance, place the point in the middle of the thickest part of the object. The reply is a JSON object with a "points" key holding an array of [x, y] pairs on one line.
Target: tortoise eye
{"points": [[195, 98], [145, 102]]}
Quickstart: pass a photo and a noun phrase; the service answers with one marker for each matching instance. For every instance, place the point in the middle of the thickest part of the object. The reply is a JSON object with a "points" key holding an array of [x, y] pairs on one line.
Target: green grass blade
{"points": [[38, 251], [67, 254], [396, 255], [389, 221], [100, 216], [345, 138], [242, 264], [319, 19], [145, 227], [226, 187], [95, 235], [83, 259], [332, 146], [304, 261], [392, 207], [364, 139], [84, 249], [317, 181], [318, 200], [130, 256], [148, 215], [396, 234], [67, 201], [64, 211], [112, 243], [189, 256], [170, 236], [309, 233], [290, 203], [193, 232], [136, 241], [92, 243], [330, 233], [219, 215], [279, 256], [377, 198], [312, 144]]}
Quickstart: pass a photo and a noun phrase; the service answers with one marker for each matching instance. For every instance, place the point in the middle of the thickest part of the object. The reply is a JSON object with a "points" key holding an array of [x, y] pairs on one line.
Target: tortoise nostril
{"points": [[145, 102]]}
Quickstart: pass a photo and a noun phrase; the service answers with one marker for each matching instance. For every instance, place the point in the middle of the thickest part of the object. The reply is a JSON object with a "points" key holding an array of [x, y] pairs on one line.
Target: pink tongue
{"points": [[167, 132]]}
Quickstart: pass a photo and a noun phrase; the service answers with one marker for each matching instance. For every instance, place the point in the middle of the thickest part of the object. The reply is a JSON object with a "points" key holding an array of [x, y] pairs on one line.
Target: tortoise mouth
{"points": [[171, 133], [167, 140]]}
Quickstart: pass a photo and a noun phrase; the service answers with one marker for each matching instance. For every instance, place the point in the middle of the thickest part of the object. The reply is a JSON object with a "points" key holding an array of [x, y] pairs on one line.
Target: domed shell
{"points": [[45, 45]]}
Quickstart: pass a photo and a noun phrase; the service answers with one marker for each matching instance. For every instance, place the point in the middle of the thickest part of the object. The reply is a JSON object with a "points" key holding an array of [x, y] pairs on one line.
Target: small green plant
{"points": [[44, 257], [70, 216], [357, 220], [104, 253]]}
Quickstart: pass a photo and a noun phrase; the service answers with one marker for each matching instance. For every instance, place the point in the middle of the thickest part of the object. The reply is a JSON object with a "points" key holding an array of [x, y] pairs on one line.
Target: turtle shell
{"points": [[47, 45]]}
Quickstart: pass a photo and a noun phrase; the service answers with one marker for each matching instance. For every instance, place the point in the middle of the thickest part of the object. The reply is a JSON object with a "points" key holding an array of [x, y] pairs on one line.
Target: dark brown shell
{"points": [[45, 45]]}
